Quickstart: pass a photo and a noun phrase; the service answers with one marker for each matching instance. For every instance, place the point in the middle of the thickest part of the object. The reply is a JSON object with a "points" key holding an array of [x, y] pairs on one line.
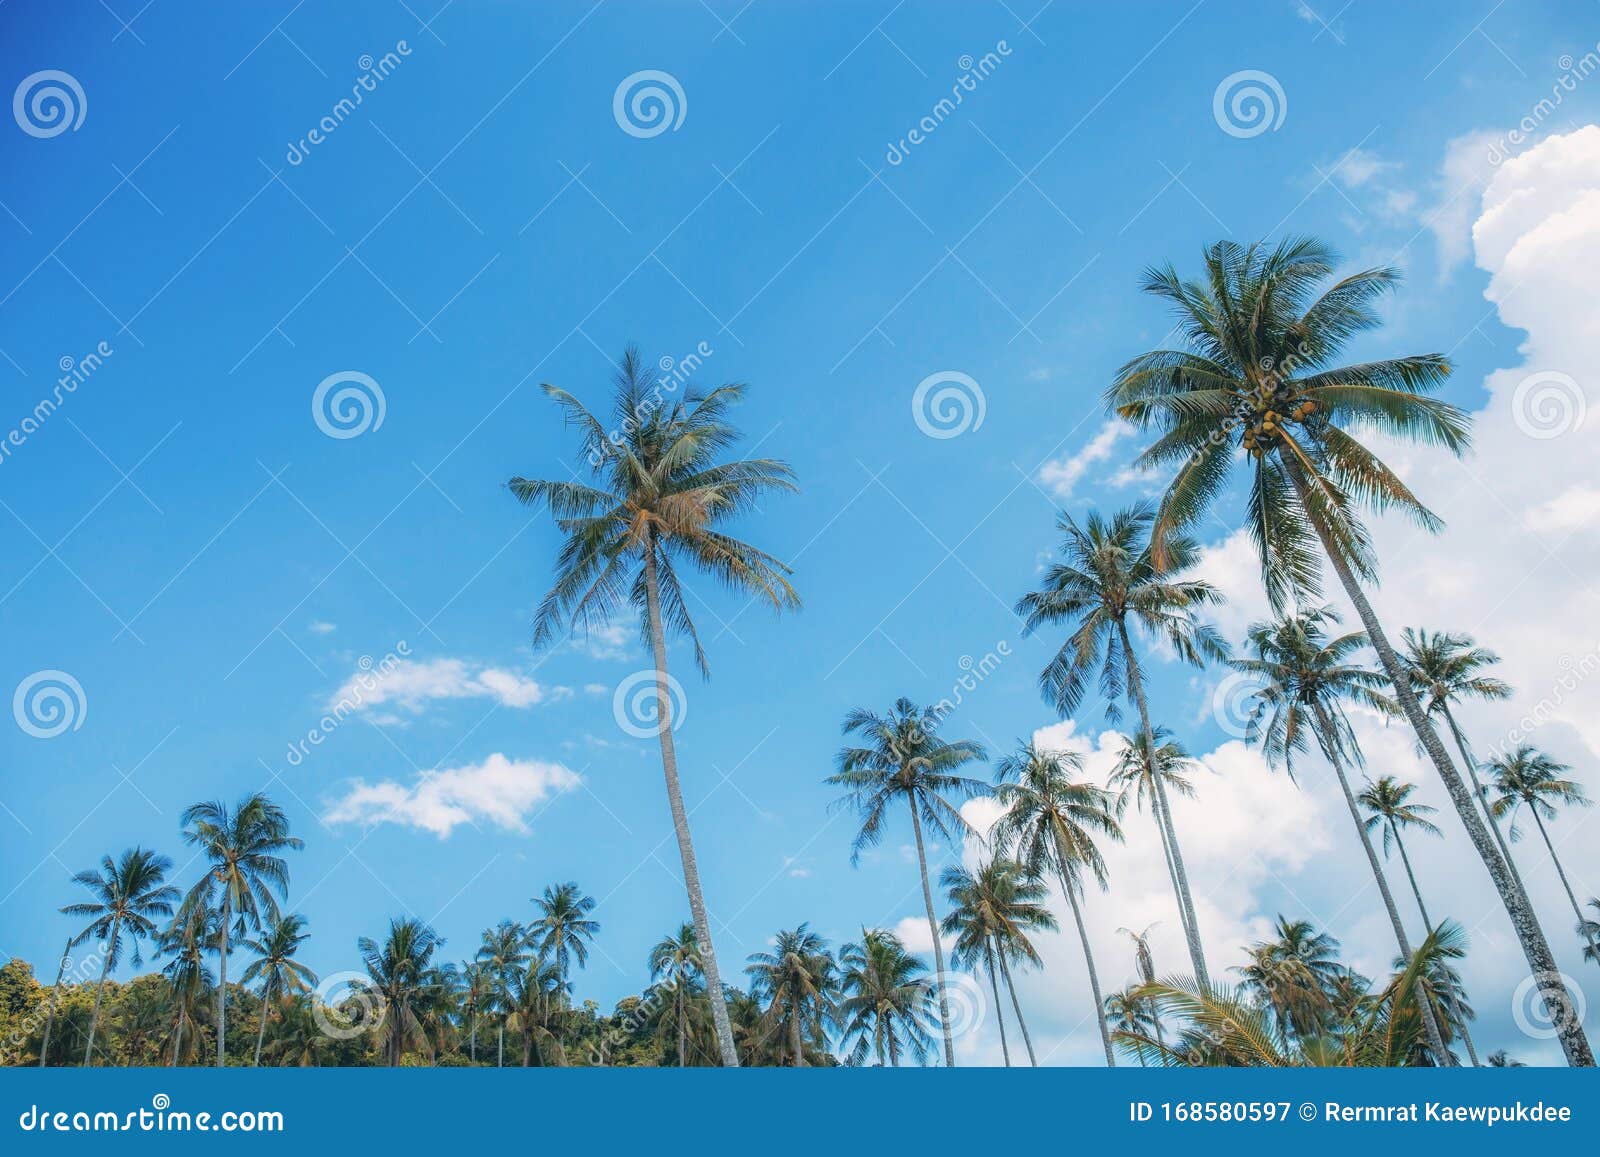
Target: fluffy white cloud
{"points": [[499, 791], [411, 684], [1061, 475]]}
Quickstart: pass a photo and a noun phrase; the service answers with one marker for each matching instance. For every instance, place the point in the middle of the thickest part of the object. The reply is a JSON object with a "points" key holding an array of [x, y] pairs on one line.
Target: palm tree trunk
{"points": [[222, 978], [1430, 1023], [1577, 909], [794, 1038], [55, 997], [683, 1027], [500, 1060], [1016, 1007], [999, 1012], [261, 1033], [1412, 876], [1481, 793], [1186, 912], [680, 817], [100, 989], [1541, 962], [894, 1051], [1088, 960], [177, 1035], [933, 930], [472, 1036]]}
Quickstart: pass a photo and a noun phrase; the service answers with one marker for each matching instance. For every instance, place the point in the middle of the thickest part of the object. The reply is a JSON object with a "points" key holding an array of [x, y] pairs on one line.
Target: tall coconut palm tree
{"points": [[504, 952], [992, 911], [538, 996], [1390, 810], [1263, 331], [1295, 976], [798, 981], [127, 894], [1438, 984], [244, 844], [1307, 676], [675, 967], [478, 983], [562, 930], [1134, 777], [662, 500], [888, 1005], [1527, 777], [1107, 577], [1049, 827], [902, 758], [186, 942], [401, 974], [1145, 964], [275, 967]]}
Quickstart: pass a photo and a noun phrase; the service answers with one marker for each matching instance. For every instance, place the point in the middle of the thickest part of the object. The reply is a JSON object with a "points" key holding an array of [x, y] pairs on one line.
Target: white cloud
{"points": [[1575, 508], [412, 684], [607, 641], [499, 791], [1463, 176], [319, 627], [1061, 475]]}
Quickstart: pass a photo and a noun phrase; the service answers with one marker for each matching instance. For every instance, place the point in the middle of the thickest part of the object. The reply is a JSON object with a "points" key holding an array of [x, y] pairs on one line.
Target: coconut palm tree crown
{"points": [[887, 1006], [563, 928], [401, 973], [275, 967], [798, 983]]}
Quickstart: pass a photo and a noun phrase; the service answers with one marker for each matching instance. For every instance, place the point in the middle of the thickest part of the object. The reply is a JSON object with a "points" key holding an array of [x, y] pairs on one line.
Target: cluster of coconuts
{"points": [[1259, 435]]}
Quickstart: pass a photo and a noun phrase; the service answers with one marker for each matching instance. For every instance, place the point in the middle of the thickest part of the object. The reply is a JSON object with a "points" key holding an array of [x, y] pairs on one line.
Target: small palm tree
{"points": [[902, 758], [186, 942], [127, 894], [504, 952], [1529, 778], [1390, 810], [1589, 930], [1107, 577], [477, 993], [537, 998], [401, 974], [676, 968], [1129, 1012], [992, 911], [798, 981], [888, 1005], [562, 930], [244, 844], [1295, 976], [1049, 827], [55, 998], [1438, 984], [276, 968], [662, 501], [1500, 1059]]}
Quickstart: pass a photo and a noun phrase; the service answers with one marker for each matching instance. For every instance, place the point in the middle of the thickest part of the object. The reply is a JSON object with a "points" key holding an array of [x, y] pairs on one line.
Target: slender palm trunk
{"points": [[683, 1028], [177, 1035], [894, 1050], [1186, 912], [100, 989], [261, 1033], [1410, 875], [1016, 1006], [999, 1013], [500, 1048], [933, 930], [472, 1036], [1577, 909], [1481, 793], [794, 1036], [1541, 962], [680, 817], [222, 977], [55, 997], [1088, 960]]}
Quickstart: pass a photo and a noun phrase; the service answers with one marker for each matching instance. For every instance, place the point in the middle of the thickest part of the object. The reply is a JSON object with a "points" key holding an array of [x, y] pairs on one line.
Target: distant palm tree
{"points": [[902, 758], [477, 993], [1263, 332], [676, 966], [1500, 1059], [798, 982], [191, 935], [1590, 931], [55, 998], [889, 1004], [991, 913], [1295, 976], [662, 501], [1109, 575], [140, 1019], [563, 929], [243, 843], [1049, 827], [537, 999], [1145, 963], [504, 952], [1528, 777], [127, 893], [401, 973], [1134, 777], [1389, 809], [1130, 1012], [299, 1039], [276, 968]]}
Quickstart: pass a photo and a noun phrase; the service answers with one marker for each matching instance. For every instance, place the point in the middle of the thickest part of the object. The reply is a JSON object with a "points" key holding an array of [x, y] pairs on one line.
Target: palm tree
{"points": [[1049, 826], [55, 998], [1528, 777], [1500, 1059], [1306, 678], [537, 996], [662, 500], [1134, 777], [888, 1004], [1129, 1012], [243, 843], [1264, 330], [563, 929], [1109, 575], [1295, 976], [127, 893], [1389, 809], [903, 758], [276, 968], [478, 982], [140, 1018], [675, 964], [403, 976], [991, 913], [1143, 958], [186, 941], [504, 952], [798, 981], [1589, 930]]}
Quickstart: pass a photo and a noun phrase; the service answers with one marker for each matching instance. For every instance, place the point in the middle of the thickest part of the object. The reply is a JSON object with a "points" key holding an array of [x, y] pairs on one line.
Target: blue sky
{"points": [[185, 541]]}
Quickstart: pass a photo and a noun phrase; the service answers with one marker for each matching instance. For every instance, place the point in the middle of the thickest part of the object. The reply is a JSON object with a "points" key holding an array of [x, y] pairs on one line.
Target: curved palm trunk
{"points": [[933, 930], [680, 817], [1481, 793], [222, 980], [894, 1051], [999, 1013], [1541, 962], [177, 1036], [100, 989], [261, 1033], [1186, 912], [1016, 1006], [55, 997], [1412, 876], [1577, 910], [472, 1036], [1088, 960]]}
